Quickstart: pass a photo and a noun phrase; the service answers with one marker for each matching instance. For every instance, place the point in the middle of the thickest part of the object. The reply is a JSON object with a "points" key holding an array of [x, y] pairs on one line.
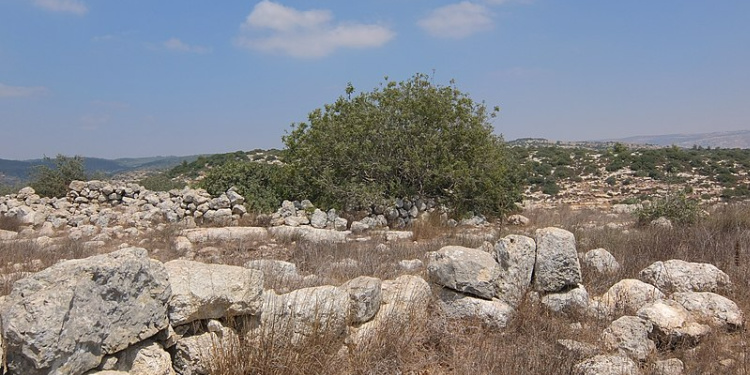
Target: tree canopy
{"points": [[404, 139]]}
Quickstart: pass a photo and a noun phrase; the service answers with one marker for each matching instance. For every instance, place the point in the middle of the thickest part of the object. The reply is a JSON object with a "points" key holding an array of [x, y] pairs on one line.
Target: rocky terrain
{"points": [[116, 279]]}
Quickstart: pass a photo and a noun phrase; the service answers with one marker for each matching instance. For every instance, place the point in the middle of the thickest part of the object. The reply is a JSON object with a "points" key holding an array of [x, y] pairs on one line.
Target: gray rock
{"points": [[604, 364], [464, 270], [274, 268], [359, 227], [65, 319], [493, 313], [680, 276], [364, 295], [602, 261], [577, 349], [556, 264], [225, 234], [206, 291], [572, 301], [519, 220], [194, 355], [673, 324], [404, 301], [672, 366], [294, 317], [630, 336], [662, 222], [319, 219], [709, 307], [411, 264], [626, 297], [145, 358], [516, 256]]}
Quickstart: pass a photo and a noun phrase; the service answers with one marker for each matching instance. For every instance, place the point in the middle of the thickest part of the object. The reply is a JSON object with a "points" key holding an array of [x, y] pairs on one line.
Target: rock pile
{"points": [[106, 204], [123, 313]]}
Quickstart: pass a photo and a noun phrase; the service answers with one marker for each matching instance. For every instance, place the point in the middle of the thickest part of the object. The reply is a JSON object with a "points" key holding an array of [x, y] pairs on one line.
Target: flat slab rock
{"points": [[212, 291]]}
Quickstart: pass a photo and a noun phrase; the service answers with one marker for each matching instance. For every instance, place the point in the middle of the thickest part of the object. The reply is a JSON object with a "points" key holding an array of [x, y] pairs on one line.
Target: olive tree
{"points": [[404, 139]]}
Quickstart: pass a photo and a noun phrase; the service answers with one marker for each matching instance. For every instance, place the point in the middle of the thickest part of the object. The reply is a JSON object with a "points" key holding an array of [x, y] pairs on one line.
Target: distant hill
{"points": [[727, 139], [17, 171]]}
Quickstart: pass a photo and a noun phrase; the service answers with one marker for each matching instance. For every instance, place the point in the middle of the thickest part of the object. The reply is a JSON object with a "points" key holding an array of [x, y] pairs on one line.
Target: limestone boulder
{"points": [[405, 301], [602, 261], [673, 324], [681, 276], [145, 358], [493, 313], [199, 235], [364, 296], [571, 301], [626, 297], [630, 336], [717, 310], [516, 256], [465, 270], [195, 355], [557, 265], [299, 315], [206, 291], [63, 320], [607, 364]]}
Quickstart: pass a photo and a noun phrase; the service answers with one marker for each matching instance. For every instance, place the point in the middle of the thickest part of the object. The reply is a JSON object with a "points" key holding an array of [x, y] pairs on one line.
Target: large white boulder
{"points": [[629, 336], [465, 270], [304, 313], [493, 313], [626, 297], [365, 297], [606, 364], [516, 255], [205, 291], [681, 276], [673, 324], [602, 261], [63, 320], [557, 265], [717, 310]]}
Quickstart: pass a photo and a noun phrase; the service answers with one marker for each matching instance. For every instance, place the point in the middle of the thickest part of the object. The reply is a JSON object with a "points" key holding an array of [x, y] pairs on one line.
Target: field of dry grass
{"points": [[437, 345]]}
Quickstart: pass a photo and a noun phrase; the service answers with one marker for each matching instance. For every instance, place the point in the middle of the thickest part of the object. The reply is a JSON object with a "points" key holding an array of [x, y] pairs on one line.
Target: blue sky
{"points": [[144, 77]]}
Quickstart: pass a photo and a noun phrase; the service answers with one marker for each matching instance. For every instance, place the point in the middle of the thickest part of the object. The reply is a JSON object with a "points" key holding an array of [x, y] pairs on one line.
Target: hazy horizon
{"points": [[139, 78]]}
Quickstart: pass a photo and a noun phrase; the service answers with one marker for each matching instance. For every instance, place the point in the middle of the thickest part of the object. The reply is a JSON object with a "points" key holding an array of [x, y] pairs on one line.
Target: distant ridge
{"points": [[726, 139]]}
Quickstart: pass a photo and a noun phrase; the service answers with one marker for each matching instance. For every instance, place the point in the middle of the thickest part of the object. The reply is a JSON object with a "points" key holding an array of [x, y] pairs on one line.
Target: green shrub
{"points": [[53, 182], [679, 209], [550, 188], [401, 140], [263, 185], [160, 182]]}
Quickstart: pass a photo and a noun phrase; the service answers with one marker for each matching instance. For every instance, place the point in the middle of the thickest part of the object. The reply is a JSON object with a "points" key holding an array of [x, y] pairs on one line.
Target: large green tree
{"points": [[404, 139]]}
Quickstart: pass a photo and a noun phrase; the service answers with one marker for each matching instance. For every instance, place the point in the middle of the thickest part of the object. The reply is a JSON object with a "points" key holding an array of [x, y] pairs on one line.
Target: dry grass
{"points": [[443, 346]]}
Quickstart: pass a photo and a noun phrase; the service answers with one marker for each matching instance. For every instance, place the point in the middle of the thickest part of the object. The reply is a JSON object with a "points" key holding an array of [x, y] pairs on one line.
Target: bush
{"points": [[160, 182], [679, 209], [53, 182], [404, 139], [261, 184]]}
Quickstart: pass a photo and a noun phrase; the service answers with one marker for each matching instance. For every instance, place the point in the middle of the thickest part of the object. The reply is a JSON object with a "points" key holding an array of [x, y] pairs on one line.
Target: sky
{"points": [[137, 78]]}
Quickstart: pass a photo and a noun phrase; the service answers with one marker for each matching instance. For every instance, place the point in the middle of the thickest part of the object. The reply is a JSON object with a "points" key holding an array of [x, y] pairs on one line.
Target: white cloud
{"points": [[21, 91], [456, 21], [175, 44], [306, 34], [64, 6]]}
